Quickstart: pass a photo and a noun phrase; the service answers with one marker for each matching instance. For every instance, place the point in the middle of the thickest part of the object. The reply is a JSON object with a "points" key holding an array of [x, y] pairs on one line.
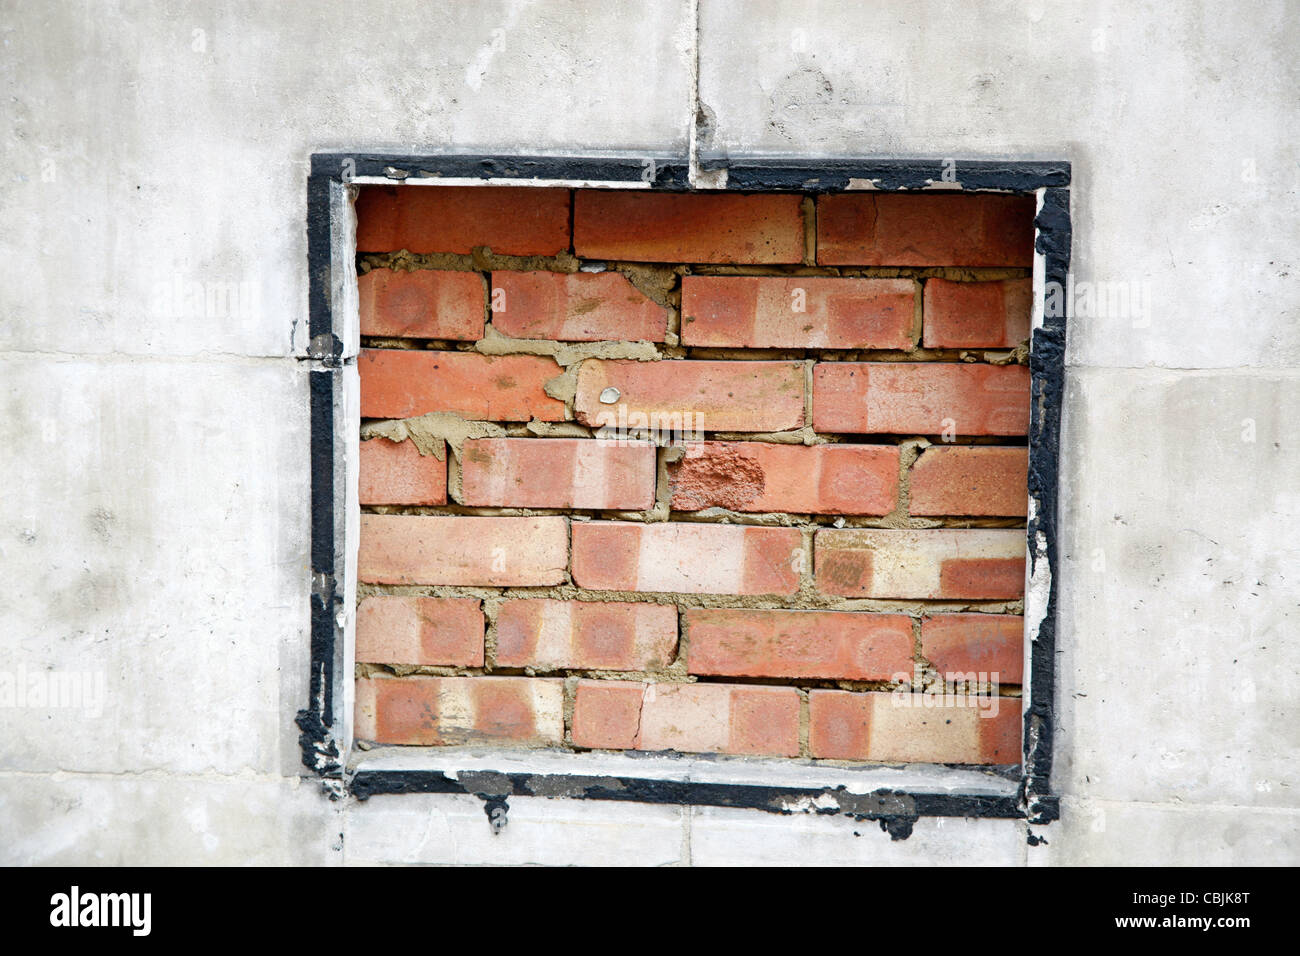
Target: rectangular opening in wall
{"points": [[695, 491]]}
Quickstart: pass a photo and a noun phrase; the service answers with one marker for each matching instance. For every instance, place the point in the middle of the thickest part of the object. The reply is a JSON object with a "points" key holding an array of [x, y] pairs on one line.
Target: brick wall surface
{"points": [[692, 472]]}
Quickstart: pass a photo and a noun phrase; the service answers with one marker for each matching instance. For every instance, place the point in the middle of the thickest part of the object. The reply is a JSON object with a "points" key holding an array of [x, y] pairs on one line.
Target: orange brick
{"points": [[963, 644], [689, 558], [800, 312], [425, 304], [607, 714], [582, 307], [558, 473], [456, 711], [687, 227], [590, 635], [395, 473], [711, 396], [403, 383], [689, 718], [920, 398], [395, 629], [901, 728], [844, 645], [936, 564], [720, 718], [436, 549], [517, 221], [905, 229], [977, 314], [758, 477], [970, 480]]}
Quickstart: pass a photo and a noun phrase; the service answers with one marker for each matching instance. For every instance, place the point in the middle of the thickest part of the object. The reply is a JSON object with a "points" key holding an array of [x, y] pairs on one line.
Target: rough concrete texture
{"points": [[154, 526], [1185, 159]]}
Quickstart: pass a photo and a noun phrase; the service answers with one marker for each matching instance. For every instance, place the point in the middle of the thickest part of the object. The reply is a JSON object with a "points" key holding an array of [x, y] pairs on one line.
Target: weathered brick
{"points": [[558, 473], [578, 307], [970, 480], [944, 563], [927, 398], [712, 396], [687, 227], [451, 711], [589, 635], [759, 477], [394, 629], [686, 557], [607, 714], [963, 644], [403, 383], [517, 221], [437, 549], [721, 718], [976, 314], [689, 718], [800, 312], [426, 303], [844, 645], [900, 728], [395, 473], [905, 229]]}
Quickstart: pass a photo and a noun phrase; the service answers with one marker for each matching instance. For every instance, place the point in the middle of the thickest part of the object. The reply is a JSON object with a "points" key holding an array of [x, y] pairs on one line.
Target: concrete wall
{"points": [[153, 533]]}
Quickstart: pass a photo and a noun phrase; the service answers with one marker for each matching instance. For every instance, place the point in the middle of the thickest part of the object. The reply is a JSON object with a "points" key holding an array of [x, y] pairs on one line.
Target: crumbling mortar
{"points": [[803, 600], [805, 720]]}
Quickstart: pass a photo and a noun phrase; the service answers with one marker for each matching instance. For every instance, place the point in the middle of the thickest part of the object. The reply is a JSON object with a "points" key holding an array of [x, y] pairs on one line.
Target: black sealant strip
{"points": [[836, 175], [325, 344], [660, 171], [315, 722], [1047, 388], [896, 810]]}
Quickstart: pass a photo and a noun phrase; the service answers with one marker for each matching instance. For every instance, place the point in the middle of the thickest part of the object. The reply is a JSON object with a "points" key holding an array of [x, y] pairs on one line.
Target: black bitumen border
{"points": [[896, 811]]}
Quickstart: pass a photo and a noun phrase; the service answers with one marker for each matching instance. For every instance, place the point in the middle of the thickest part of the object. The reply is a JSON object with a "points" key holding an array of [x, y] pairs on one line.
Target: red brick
{"points": [[689, 718], [690, 558], [582, 307], [905, 229], [437, 549], [403, 383], [395, 629], [920, 398], [453, 711], [710, 396], [518, 221], [990, 644], [798, 312], [558, 473], [982, 577], [687, 227], [720, 718], [759, 477], [607, 714], [934, 564], [395, 473], [425, 304], [900, 728], [844, 645], [970, 480], [977, 314], [590, 635]]}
